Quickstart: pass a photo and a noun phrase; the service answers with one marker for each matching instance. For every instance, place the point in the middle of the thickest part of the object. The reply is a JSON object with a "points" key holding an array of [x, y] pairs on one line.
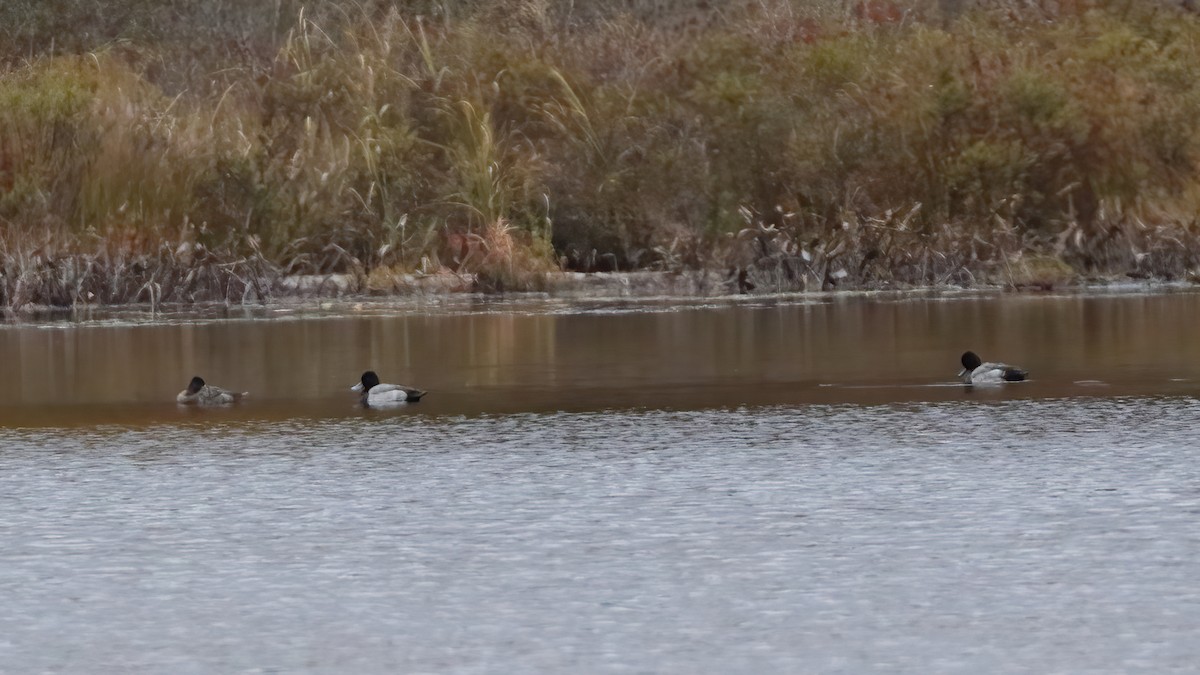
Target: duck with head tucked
{"points": [[373, 393], [975, 371], [199, 393]]}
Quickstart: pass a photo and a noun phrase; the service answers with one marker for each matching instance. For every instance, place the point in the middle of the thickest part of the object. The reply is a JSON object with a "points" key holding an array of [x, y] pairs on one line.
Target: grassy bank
{"points": [[187, 150]]}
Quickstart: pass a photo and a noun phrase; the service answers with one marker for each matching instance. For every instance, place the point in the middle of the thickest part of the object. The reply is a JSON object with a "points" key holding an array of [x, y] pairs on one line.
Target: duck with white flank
{"points": [[376, 394], [199, 393], [975, 371]]}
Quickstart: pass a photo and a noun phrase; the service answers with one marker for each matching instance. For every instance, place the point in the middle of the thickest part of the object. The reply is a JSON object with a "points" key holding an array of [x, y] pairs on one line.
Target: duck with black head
{"points": [[199, 393], [374, 394], [976, 371]]}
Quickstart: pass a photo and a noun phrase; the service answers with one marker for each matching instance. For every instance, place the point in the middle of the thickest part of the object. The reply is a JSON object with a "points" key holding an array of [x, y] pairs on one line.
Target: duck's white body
{"points": [[382, 394], [988, 373]]}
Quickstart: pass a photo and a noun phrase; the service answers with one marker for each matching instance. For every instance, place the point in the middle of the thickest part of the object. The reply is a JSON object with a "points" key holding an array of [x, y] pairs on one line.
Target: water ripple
{"points": [[1006, 536]]}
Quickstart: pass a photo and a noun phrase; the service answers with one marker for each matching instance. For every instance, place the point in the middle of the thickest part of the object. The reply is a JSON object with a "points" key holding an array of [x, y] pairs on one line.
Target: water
{"points": [[545, 357], [671, 489]]}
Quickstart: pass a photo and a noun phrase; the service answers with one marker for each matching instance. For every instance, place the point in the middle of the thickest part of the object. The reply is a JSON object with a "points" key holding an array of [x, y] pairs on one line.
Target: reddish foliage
{"points": [[878, 11]]}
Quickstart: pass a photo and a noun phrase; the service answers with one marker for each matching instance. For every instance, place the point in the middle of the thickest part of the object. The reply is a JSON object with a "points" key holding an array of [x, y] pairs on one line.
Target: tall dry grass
{"points": [[205, 150]]}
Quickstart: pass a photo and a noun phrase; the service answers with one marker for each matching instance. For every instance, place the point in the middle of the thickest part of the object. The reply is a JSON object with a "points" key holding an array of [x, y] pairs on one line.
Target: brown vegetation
{"points": [[186, 150]]}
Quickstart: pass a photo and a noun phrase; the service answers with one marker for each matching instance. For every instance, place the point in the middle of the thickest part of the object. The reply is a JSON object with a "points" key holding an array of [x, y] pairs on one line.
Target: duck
{"points": [[199, 393], [975, 371], [375, 394]]}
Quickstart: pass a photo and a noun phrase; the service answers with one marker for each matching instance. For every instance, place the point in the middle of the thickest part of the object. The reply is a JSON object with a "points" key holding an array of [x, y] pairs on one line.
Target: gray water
{"points": [[838, 522]]}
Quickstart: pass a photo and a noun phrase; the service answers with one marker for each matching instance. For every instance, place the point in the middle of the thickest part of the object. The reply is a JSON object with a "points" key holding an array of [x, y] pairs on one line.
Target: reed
{"points": [[798, 144]]}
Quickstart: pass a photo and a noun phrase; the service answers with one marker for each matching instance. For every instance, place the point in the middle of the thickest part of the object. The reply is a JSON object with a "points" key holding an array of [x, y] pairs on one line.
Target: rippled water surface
{"points": [[783, 487]]}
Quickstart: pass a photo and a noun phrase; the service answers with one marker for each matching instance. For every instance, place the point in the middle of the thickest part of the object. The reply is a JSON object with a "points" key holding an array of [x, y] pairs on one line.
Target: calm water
{"points": [[770, 487]]}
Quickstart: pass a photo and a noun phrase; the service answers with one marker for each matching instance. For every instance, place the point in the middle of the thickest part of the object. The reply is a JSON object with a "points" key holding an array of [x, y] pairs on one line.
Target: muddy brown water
{"points": [[772, 486], [496, 357]]}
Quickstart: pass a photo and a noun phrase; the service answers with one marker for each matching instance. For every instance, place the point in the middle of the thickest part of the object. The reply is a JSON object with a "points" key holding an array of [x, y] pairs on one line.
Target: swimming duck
{"points": [[203, 394], [374, 393], [976, 371]]}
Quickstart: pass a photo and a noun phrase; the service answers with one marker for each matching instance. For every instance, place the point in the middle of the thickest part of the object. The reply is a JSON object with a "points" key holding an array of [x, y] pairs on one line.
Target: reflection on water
{"points": [[512, 358], [1010, 537]]}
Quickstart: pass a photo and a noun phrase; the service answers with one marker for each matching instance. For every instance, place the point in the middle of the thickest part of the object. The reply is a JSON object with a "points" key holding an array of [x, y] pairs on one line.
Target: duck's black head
{"points": [[971, 361], [369, 379], [195, 385]]}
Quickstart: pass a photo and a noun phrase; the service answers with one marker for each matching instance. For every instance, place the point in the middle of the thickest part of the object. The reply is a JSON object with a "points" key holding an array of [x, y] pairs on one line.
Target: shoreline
{"points": [[342, 294]]}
